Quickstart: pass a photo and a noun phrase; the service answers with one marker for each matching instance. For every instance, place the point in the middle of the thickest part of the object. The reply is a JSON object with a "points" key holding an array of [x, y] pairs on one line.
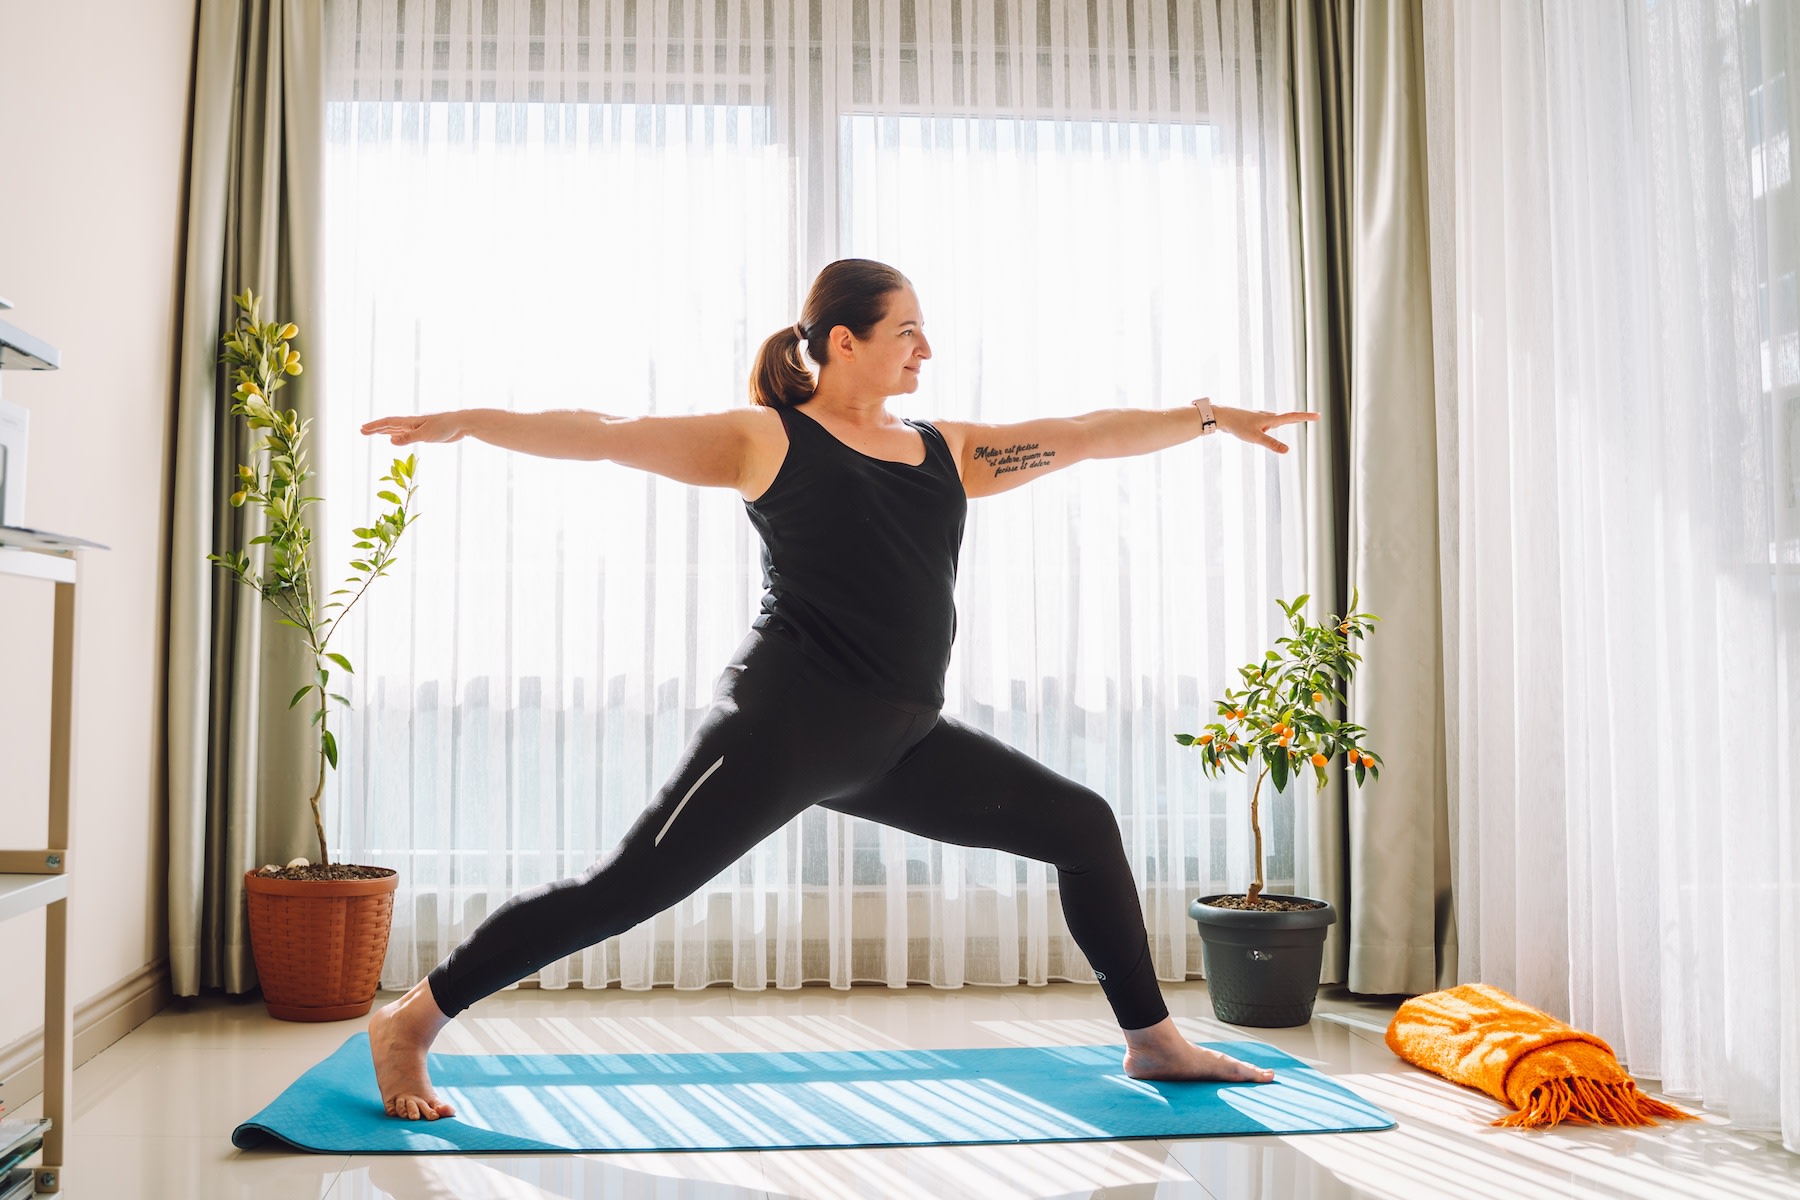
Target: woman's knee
{"points": [[628, 888], [1086, 828]]}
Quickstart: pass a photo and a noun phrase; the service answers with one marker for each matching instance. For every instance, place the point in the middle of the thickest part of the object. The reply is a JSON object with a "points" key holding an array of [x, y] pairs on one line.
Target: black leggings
{"points": [[783, 735]]}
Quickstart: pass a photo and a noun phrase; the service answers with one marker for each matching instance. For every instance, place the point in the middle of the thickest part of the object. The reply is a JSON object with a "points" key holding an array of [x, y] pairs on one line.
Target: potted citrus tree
{"points": [[318, 929], [1261, 954]]}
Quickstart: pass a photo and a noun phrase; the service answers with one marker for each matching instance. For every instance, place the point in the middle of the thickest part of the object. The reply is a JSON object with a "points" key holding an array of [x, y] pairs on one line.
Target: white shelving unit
{"points": [[36, 878]]}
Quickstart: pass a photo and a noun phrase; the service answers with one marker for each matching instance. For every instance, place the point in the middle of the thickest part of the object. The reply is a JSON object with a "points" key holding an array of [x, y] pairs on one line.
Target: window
{"points": [[615, 221]]}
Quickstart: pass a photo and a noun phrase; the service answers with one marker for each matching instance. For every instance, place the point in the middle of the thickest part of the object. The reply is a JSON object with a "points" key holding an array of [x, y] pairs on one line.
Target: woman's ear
{"points": [[841, 342]]}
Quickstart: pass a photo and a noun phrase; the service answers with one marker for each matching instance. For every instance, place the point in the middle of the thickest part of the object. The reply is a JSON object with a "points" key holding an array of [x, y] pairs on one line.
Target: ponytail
{"points": [[781, 378]]}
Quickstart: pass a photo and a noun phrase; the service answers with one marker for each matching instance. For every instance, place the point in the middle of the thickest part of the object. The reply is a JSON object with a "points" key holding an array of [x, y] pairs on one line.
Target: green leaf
{"points": [[1278, 768], [323, 676], [1186, 739], [388, 496], [343, 700], [330, 747], [340, 660], [300, 695], [1361, 773]]}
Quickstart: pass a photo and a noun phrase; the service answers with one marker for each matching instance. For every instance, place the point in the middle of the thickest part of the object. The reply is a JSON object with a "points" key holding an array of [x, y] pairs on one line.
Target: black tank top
{"points": [[859, 560]]}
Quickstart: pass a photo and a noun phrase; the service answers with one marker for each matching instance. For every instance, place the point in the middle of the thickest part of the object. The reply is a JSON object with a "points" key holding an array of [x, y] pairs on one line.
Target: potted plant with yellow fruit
{"points": [[1261, 954], [318, 930]]}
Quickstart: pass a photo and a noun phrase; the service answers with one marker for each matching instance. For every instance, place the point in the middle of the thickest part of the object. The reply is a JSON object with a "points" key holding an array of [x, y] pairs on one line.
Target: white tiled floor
{"points": [[154, 1113]]}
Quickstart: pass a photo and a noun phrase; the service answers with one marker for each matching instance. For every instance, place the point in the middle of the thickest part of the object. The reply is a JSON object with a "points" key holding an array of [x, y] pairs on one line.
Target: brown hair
{"points": [[851, 292]]}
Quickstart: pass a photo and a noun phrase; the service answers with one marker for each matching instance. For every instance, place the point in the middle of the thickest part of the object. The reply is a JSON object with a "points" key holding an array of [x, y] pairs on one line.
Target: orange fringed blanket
{"points": [[1481, 1037]]}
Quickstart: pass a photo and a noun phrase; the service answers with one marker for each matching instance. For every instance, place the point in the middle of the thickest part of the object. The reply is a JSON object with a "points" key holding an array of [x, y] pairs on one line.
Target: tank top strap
{"points": [[936, 448]]}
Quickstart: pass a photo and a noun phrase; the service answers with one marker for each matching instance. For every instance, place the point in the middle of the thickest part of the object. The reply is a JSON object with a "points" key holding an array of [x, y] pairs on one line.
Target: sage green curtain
{"points": [[1363, 322], [240, 764]]}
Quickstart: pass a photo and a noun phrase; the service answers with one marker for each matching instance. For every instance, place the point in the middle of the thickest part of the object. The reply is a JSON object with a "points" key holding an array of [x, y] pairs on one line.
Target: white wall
{"points": [[92, 183]]}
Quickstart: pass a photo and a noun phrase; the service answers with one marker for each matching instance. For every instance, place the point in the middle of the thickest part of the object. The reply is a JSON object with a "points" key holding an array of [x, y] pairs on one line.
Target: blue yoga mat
{"points": [[594, 1102]]}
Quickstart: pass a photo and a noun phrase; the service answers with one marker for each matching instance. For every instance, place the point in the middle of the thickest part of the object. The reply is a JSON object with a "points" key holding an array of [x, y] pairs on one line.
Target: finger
{"points": [[1290, 418], [1272, 444]]}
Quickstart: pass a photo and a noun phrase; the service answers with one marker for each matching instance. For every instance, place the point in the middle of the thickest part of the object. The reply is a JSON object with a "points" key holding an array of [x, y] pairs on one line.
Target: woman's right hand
{"points": [[426, 427]]}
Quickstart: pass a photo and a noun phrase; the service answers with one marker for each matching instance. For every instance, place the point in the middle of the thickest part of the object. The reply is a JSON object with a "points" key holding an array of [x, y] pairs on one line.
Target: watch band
{"points": [[1208, 422]]}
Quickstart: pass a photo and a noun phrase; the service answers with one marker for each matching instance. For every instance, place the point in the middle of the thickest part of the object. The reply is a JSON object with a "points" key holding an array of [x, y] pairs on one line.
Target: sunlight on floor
{"points": [[154, 1112]]}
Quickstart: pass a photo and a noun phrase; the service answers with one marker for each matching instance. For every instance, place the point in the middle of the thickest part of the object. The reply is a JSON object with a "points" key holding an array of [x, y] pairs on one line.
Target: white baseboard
{"points": [[99, 1022]]}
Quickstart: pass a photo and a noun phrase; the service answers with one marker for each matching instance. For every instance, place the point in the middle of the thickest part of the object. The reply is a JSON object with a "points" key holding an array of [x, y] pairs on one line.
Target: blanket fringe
{"points": [[1575, 1098]]}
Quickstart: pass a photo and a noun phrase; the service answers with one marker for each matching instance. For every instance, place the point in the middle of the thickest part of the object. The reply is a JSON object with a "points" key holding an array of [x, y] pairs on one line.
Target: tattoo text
{"points": [[1007, 459]]}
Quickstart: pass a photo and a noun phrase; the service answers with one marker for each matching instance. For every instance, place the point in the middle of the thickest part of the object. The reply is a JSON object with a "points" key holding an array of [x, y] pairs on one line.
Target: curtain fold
{"points": [[1318, 228], [1360, 225], [237, 782], [1621, 339], [609, 206], [1401, 928]]}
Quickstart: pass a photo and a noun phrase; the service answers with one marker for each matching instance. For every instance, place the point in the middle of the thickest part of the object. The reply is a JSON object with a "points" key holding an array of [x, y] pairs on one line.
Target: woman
{"points": [[834, 696]]}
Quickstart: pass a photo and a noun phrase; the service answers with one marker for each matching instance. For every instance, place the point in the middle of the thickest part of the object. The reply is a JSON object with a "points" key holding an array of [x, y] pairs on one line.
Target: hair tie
{"points": [[800, 331]]}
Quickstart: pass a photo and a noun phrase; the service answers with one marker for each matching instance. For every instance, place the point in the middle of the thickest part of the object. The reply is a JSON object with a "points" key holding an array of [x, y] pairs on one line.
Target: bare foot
{"points": [[400, 1037], [1161, 1052]]}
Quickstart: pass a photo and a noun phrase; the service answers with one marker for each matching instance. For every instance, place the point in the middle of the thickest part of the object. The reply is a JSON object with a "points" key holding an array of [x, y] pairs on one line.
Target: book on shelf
{"points": [[18, 1154], [43, 539], [18, 1183], [19, 1139]]}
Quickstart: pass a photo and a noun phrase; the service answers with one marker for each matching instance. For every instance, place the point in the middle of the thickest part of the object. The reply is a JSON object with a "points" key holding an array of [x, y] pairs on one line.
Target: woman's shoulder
{"points": [[766, 435], [952, 433]]}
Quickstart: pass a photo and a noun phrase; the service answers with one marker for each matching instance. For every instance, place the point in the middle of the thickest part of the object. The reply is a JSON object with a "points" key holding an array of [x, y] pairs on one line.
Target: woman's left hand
{"points": [[1253, 426]]}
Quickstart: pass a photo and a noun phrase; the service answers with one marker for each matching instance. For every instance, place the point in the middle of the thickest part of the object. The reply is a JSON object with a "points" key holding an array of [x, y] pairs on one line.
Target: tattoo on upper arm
{"points": [[1004, 460]]}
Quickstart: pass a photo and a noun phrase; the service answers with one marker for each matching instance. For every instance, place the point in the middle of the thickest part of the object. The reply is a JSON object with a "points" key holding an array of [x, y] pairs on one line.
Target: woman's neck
{"points": [[861, 411]]}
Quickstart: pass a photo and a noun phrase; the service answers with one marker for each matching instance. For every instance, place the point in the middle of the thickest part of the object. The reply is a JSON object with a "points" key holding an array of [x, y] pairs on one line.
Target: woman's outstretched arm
{"points": [[706, 449], [997, 458]]}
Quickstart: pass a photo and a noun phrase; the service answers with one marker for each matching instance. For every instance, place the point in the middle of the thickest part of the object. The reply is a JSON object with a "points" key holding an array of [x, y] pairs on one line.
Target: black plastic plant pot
{"points": [[1262, 967]]}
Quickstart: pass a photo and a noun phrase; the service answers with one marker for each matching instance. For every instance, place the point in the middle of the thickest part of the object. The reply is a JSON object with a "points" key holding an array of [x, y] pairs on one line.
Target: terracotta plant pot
{"points": [[319, 944], [1262, 967]]}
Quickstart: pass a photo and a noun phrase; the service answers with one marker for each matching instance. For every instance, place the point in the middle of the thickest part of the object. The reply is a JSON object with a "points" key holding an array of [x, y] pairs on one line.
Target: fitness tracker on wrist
{"points": [[1208, 422]]}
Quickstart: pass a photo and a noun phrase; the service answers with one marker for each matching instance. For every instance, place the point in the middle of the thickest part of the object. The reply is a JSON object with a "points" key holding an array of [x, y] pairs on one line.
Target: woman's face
{"points": [[888, 360]]}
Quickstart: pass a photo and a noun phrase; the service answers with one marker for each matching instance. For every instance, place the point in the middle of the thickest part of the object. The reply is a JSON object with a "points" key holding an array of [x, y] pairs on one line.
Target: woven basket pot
{"points": [[319, 943]]}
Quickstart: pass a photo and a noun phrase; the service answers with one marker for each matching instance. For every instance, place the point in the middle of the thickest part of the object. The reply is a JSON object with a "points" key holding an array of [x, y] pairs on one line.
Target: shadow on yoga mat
{"points": [[590, 1102]]}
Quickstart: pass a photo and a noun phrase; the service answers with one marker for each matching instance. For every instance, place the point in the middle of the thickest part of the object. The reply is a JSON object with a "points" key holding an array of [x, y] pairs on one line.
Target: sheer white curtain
{"points": [[1619, 353], [609, 206]]}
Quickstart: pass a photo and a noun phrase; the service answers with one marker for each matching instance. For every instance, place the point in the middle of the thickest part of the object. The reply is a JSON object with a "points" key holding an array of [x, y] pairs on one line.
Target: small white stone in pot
{"points": [[299, 862]]}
